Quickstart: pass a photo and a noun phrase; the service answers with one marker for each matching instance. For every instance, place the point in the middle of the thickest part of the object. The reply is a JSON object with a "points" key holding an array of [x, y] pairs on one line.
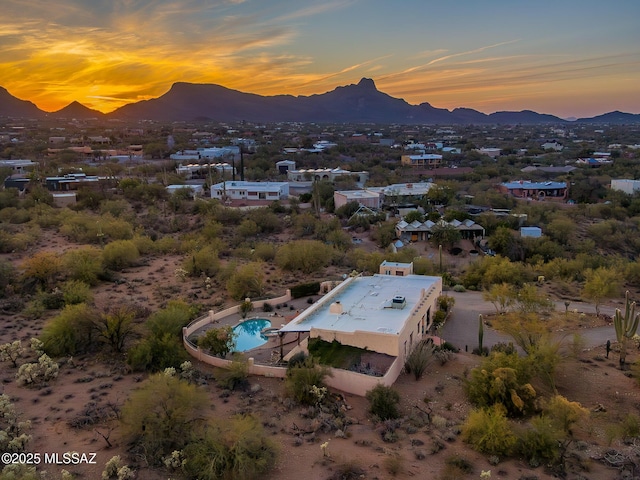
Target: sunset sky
{"points": [[563, 57]]}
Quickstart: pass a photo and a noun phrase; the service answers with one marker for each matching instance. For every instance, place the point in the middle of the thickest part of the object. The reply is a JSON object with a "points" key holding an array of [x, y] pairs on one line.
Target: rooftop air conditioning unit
{"points": [[398, 302]]}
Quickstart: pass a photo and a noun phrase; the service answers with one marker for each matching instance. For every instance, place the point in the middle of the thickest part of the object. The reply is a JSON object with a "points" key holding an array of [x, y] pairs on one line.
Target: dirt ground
{"points": [[92, 383]]}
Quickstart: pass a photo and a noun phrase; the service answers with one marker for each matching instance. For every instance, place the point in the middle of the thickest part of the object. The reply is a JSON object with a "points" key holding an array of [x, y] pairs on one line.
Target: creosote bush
{"points": [[383, 402]]}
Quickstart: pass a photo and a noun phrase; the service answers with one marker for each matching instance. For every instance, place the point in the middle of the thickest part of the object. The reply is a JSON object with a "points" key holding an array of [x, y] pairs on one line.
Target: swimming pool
{"points": [[248, 334]]}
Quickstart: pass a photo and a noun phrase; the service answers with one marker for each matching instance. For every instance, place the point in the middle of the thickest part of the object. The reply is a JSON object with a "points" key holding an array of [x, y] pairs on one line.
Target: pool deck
{"points": [[269, 353]]}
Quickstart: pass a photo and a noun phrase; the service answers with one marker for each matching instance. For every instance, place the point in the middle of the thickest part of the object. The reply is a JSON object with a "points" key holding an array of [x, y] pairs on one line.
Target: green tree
{"points": [[301, 380], [70, 332], [115, 327], [600, 284], [445, 235], [218, 341], [247, 281], [202, 261], [500, 295], [162, 415]]}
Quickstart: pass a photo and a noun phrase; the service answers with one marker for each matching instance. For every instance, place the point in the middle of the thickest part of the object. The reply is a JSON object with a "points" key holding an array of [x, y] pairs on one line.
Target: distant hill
{"points": [[355, 103], [613, 117], [77, 110], [13, 107]]}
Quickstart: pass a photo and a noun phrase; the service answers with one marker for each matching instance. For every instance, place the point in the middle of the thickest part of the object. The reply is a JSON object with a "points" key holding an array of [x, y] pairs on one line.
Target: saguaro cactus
{"points": [[480, 334], [626, 326]]}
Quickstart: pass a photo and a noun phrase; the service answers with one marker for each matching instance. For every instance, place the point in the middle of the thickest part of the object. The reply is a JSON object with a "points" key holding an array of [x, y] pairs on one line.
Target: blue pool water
{"points": [[248, 334]]}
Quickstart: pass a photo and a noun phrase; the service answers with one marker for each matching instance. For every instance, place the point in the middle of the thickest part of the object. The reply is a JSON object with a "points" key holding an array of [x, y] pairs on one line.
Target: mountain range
{"points": [[355, 103]]}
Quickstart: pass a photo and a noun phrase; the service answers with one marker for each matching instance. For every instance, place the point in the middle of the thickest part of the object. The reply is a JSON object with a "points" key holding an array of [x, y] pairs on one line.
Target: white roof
{"points": [[365, 303]]}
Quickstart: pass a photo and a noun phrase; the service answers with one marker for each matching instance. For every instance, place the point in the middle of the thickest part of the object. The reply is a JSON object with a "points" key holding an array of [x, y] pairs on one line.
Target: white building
{"points": [[328, 174], [627, 186], [19, 166], [241, 190], [363, 197], [383, 313]]}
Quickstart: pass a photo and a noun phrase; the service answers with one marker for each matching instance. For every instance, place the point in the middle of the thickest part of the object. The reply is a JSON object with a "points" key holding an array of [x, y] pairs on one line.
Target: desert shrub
{"points": [[446, 303], [38, 372], [43, 268], [393, 464], [265, 251], [120, 254], [8, 278], [301, 378], [218, 341], [75, 292], [307, 256], [235, 449], [70, 332], [502, 379], [538, 441], [383, 402], [458, 288], [162, 415], [297, 359], [203, 261], [19, 471], [439, 317], [83, 264], [156, 352], [305, 289], [162, 347], [488, 431], [422, 354], [246, 307], [267, 307], [236, 376], [246, 281], [463, 465], [144, 244]]}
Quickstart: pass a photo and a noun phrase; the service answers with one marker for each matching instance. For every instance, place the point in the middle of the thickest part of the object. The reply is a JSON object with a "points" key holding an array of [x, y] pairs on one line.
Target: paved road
{"points": [[462, 327]]}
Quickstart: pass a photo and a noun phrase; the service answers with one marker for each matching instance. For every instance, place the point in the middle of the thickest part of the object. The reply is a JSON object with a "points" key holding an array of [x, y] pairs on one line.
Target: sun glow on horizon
{"points": [[111, 53]]}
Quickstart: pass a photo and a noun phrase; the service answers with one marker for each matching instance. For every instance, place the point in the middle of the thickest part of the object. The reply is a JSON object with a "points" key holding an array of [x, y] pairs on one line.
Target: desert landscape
{"points": [[79, 410]]}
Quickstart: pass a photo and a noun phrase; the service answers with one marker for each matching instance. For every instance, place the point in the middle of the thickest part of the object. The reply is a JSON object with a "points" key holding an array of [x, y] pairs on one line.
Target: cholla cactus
{"points": [[66, 475], [111, 468], [180, 273], [187, 371], [175, 460], [13, 438], [37, 346], [170, 372], [32, 373], [11, 352]]}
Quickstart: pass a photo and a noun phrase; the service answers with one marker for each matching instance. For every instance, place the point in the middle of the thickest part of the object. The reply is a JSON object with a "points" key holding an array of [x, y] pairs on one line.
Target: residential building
{"points": [[552, 145], [426, 160], [327, 174], [387, 313], [19, 166], [490, 152], [363, 197], [421, 231], [196, 190], [531, 232], [284, 166], [536, 190], [627, 186], [241, 190]]}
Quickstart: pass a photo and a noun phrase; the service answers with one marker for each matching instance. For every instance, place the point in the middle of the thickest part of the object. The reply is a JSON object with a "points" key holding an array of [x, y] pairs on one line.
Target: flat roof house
{"points": [[383, 313], [426, 160], [363, 197], [536, 190], [241, 190]]}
